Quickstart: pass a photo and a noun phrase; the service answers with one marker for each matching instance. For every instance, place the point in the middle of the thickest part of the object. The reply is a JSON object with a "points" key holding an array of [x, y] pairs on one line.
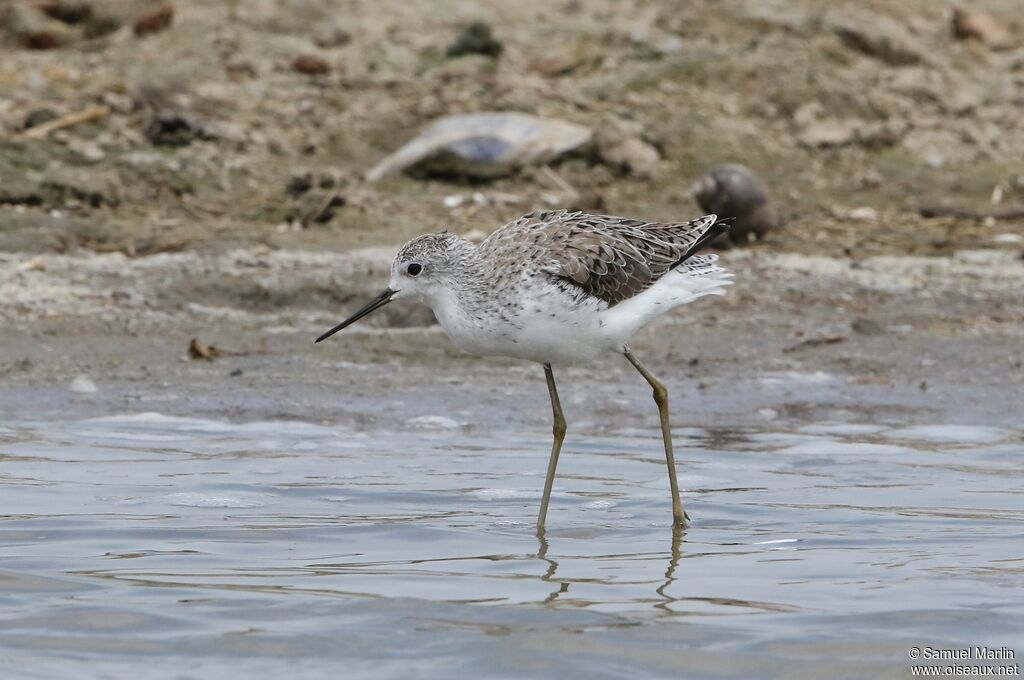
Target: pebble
{"points": [[433, 423], [83, 385], [973, 24], [1008, 238], [156, 21], [311, 65], [87, 149], [878, 36], [863, 214], [454, 201], [733, 191], [476, 38], [621, 147], [173, 130]]}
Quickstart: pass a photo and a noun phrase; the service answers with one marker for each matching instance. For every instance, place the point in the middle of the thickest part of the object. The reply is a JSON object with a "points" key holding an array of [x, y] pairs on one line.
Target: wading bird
{"points": [[559, 287]]}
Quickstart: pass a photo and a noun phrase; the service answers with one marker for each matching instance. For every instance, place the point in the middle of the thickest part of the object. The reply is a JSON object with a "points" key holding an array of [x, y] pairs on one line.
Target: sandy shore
{"points": [[799, 337]]}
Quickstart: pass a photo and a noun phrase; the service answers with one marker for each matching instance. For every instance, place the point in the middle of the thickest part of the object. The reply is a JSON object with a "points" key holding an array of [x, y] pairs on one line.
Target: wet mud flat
{"points": [[798, 336]]}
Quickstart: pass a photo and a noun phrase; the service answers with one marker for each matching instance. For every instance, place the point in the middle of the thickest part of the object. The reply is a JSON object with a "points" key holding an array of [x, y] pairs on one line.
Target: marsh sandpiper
{"points": [[559, 287]]}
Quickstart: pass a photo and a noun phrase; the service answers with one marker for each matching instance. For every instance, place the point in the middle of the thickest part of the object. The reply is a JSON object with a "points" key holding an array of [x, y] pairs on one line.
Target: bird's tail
{"points": [[706, 277]]}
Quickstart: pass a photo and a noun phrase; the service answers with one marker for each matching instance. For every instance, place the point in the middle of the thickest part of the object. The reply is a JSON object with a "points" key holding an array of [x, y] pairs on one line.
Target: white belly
{"points": [[568, 337], [551, 326]]}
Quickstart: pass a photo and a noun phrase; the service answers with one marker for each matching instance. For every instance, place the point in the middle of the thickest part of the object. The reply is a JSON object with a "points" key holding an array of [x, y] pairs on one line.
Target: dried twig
{"points": [[197, 350], [83, 116], [561, 183], [1014, 213], [814, 342], [321, 208]]}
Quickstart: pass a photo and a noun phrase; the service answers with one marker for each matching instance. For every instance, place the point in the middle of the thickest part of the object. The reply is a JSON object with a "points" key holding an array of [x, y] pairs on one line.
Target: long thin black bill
{"points": [[375, 303]]}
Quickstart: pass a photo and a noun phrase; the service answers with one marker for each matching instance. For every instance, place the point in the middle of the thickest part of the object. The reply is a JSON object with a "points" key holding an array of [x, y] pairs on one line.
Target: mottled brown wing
{"points": [[610, 258]]}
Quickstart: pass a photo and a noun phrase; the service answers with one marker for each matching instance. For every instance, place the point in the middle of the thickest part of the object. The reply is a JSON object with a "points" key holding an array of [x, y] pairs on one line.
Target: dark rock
{"points": [[32, 29], [68, 11], [41, 40], [311, 65], [299, 184], [156, 21], [318, 207], [38, 117], [475, 39], [866, 326], [732, 191], [174, 130]]}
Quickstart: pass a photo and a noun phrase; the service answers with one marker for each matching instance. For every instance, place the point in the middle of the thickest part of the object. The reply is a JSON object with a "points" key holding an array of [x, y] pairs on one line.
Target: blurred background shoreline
{"points": [[180, 170]]}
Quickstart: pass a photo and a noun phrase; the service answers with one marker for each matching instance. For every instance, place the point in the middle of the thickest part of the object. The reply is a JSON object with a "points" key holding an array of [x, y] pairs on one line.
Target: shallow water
{"points": [[164, 547]]}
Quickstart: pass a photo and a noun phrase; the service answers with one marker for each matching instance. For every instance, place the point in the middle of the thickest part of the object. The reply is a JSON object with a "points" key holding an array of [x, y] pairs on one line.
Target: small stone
{"points": [[671, 45], [311, 65], [454, 201], [1008, 238], [119, 102], [156, 21], [476, 38], [87, 149], [808, 113], [298, 184], [433, 423], [68, 11], [863, 214], [32, 29], [173, 130], [878, 36], [826, 133], [333, 37], [38, 117], [556, 63], [973, 24], [733, 191], [881, 134], [83, 385], [621, 147], [866, 326]]}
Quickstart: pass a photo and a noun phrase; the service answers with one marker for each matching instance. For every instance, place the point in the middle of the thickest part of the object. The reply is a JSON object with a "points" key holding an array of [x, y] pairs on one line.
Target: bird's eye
{"points": [[414, 269]]}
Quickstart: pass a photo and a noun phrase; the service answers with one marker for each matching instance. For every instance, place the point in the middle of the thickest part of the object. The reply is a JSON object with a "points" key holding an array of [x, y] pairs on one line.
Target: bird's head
{"points": [[420, 271]]}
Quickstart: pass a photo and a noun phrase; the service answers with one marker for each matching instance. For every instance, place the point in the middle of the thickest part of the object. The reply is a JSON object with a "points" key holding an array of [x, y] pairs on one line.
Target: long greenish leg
{"points": [[679, 516], [558, 429]]}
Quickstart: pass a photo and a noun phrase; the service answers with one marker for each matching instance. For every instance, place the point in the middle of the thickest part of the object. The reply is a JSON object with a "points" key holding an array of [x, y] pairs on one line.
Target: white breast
{"points": [[544, 323]]}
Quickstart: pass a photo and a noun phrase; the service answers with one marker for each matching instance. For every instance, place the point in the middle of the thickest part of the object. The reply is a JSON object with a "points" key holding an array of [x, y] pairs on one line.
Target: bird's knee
{"points": [[660, 394], [559, 428]]}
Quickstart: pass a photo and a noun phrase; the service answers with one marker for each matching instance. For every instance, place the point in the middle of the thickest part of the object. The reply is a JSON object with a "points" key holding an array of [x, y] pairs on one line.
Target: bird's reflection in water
{"points": [[549, 574], [675, 554], [670, 573]]}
